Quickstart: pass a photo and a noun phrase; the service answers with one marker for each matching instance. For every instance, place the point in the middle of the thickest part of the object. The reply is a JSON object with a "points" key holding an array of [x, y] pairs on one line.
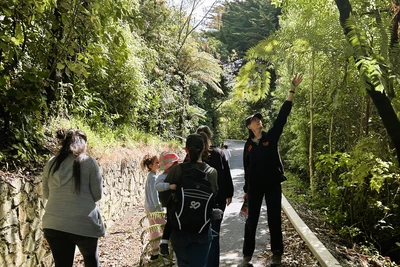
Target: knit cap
{"points": [[167, 159]]}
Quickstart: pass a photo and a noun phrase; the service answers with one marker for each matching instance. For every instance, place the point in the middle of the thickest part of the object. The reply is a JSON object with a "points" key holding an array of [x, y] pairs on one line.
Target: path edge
{"points": [[324, 257]]}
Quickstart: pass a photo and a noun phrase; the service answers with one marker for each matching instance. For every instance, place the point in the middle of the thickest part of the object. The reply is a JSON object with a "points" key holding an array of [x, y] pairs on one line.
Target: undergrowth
{"points": [[298, 194]]}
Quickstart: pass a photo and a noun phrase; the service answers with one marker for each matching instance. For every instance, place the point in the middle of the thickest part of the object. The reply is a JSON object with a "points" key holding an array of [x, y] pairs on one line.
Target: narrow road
{"points": [[232, 228]]}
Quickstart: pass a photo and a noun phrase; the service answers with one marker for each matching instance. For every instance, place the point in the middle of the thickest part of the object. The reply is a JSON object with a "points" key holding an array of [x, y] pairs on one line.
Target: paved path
{"points": [[232, 228]]}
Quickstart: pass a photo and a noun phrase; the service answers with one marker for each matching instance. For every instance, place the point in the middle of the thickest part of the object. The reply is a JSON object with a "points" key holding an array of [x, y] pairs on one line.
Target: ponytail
{"points": [[195, 145], [194, 154]]}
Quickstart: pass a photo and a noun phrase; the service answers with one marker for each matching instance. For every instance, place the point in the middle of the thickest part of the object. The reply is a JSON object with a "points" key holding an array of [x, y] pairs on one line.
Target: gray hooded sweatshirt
{"points": [[68, 211]]}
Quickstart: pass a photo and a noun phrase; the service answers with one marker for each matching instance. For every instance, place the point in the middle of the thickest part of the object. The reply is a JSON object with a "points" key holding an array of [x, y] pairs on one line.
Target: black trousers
{"points": [[63, 244], [273, 198]]}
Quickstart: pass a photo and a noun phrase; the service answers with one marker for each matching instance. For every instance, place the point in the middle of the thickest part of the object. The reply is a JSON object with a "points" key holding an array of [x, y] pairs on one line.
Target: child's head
{"points": [[150, 163], [168, 159]]}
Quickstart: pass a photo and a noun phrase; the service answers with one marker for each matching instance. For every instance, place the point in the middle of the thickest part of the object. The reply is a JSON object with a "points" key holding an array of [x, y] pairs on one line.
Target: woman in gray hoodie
{"points": [[72, 184]]}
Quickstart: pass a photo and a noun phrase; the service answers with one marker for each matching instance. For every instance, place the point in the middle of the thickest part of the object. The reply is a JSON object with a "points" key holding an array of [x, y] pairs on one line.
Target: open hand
{"points": [[297, 79]]}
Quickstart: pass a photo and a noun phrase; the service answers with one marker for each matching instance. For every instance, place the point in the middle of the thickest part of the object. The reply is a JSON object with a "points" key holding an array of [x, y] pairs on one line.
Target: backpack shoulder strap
{"points": [[184, 166], [206, 168]]}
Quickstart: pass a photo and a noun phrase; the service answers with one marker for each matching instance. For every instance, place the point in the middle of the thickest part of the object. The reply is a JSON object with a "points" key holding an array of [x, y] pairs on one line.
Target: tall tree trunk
{"points": [[52, 87], [330, 150], [380, 99], [310, 149], [367, 115]]}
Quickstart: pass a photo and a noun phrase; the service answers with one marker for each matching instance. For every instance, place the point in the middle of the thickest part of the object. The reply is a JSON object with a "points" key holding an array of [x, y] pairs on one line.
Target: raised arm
{"points": [[297, 79]]}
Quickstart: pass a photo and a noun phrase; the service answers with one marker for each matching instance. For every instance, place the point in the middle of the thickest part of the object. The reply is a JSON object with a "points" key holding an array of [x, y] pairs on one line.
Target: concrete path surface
{"points": [[232, 228]]}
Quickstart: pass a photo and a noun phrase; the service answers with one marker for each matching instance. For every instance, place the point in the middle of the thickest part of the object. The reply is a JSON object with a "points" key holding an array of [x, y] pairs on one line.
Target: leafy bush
{"points": [[362, 198]]}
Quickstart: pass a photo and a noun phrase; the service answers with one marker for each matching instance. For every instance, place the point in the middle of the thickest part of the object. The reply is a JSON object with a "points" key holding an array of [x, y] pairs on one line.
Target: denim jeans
{"points": [[191, 249], [63, 244], [213, 256]]}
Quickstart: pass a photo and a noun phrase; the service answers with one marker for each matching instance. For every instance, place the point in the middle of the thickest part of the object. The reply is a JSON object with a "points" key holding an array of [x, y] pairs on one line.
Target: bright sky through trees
{"points": [[202, 6]]}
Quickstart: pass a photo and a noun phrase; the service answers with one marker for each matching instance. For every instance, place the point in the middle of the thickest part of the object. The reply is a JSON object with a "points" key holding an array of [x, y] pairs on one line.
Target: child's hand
{"points": [[172, 186]]}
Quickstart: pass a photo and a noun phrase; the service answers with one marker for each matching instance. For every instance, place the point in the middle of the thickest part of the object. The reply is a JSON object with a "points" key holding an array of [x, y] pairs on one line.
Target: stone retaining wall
{"points": [[21, 208]]}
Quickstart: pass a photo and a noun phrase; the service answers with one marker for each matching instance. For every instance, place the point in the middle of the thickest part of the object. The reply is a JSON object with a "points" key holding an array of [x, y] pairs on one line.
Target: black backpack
{"points": [[193, 201]]}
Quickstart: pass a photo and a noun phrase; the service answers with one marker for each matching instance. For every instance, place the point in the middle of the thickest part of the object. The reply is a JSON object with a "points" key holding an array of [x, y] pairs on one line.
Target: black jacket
{"points": [[218, 161], [261, 160]]}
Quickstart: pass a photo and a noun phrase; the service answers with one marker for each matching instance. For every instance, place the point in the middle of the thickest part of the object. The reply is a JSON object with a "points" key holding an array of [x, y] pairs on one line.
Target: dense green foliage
{"points": [[239, 25], [111, 63], [342, 136]]}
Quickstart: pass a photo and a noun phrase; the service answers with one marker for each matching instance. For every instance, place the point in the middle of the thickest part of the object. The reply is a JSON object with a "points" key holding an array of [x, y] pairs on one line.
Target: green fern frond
{"points": [[376, 73], [160, 261], [148, 249], [263, 50], [201, 68], [151, 229], [156, 215], [253, 82], [394, 63], [151, 215], [195, 111], [357, 38]]}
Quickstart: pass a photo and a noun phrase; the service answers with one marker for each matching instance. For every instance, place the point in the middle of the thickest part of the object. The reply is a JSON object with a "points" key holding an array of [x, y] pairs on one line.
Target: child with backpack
{"points": [[151, 164], [167, 161], [191, 209]]}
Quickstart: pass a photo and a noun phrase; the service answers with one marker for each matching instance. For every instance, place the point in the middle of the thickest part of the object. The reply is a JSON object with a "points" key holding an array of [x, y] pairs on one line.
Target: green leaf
{"points": [[60, 66]]}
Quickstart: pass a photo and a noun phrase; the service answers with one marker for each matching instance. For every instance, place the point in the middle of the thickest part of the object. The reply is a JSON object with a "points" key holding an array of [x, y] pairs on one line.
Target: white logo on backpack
{"points": [[195, 205]]}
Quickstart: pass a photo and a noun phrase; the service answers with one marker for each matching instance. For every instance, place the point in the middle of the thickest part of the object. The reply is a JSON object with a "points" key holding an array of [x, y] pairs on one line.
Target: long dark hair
{"points": [[72, 142], [251, 134], [195, 145], [205, 131]]}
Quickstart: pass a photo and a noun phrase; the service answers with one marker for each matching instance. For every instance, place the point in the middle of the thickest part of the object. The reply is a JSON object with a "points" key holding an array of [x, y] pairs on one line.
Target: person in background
{"points": [[151, 164], [167, 161], [227, 153], [72, 184], [192, 249], [263, 174], [214, 157]]}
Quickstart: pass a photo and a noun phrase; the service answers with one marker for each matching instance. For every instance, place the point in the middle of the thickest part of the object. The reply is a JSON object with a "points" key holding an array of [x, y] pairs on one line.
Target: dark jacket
{"points": [[174, 176], [261, 160], [218, 161]]}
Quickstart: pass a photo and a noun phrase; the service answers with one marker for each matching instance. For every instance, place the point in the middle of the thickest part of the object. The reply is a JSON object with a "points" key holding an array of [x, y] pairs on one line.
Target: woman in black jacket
{"points": [[263, 173], [214, 157]]}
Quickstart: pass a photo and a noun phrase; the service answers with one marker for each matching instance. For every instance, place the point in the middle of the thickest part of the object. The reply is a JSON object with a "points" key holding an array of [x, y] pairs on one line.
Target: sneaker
{"points": [[276, 260], [246, 262], [154, 257], [164, 250]]}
